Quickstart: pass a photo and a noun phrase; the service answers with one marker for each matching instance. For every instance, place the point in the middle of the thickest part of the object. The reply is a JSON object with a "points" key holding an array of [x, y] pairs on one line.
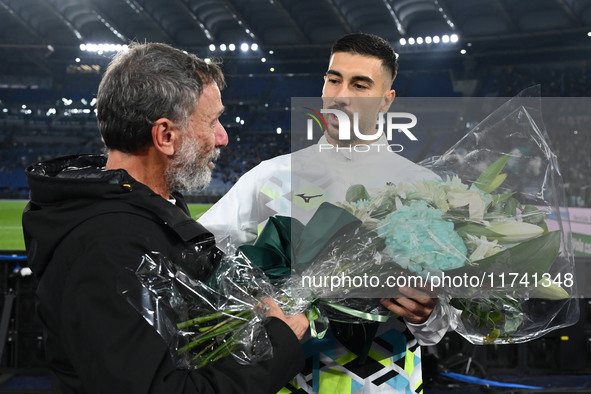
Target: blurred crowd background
{"points": [[40, 123]]}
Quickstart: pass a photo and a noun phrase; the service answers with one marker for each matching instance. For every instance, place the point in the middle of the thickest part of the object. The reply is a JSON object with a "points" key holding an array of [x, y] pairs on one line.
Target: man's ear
{"points": [[164, 135], [388, 99]]}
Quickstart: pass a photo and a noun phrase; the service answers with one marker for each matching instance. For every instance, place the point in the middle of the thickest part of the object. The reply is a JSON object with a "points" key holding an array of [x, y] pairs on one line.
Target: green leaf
{"points": [[491, 178], [498, 181], [512, 323], [511, 206], [533, 256], [492, 336], [499, 198], [356, 193], [544, 226], [495, 316], [458, 303], [532, 214]]}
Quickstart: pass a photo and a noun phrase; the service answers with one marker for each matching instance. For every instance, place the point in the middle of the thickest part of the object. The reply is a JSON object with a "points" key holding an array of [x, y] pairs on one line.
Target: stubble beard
{"points": [[189, 169]]}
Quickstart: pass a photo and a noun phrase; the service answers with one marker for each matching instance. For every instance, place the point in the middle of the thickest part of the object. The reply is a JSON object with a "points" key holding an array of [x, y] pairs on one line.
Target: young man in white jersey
{"points": [[359, 79]]}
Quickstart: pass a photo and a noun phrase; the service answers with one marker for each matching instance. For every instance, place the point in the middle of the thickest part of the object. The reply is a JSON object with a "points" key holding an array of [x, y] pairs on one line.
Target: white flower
{"points": [[514, 232], [549, 291], [433, 192], [475, 199], [482, 247]]}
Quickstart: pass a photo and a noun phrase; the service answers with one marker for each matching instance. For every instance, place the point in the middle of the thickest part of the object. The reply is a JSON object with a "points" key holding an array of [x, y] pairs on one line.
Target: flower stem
{"points": [[207, 336], [200, 319], [221, 328], [218, 353]]}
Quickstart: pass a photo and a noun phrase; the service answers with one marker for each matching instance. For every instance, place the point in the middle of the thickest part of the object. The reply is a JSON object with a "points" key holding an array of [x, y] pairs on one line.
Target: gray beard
{"points": [[185, 171]]}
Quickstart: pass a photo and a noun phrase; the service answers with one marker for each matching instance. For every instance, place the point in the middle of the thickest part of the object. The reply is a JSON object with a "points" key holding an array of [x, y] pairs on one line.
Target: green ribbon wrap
{"points": [[286, 245]]}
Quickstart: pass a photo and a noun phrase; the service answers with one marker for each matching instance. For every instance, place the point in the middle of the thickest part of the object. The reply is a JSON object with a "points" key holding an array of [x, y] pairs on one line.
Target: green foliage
{"points": [[356, 193], [491, 178]]}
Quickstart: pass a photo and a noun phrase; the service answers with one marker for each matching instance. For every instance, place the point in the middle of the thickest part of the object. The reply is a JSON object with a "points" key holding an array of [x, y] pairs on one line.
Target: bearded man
{"points": [[91, 218]]}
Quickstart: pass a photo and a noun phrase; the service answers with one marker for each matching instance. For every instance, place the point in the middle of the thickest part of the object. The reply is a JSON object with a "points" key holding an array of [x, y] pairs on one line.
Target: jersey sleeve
{"points": [[233, 219]]}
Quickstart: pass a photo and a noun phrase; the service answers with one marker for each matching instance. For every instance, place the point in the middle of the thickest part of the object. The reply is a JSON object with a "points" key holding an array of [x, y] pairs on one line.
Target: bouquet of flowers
{"points": [[478, 236], [204, 321], [530, 288], [461, 240]]}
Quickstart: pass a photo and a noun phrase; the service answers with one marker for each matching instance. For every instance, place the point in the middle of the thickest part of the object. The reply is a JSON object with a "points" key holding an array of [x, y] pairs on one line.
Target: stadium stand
{"points": [[36, 123]]}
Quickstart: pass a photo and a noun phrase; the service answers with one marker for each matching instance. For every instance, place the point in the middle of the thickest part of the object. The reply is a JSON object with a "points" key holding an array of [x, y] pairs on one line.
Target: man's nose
{"points": [[342, 101], [221, 137], [342, 96]]}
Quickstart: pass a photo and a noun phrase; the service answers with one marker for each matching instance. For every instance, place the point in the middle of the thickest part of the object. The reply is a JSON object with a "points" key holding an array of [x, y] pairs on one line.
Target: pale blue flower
{"points": [[418, 239]]}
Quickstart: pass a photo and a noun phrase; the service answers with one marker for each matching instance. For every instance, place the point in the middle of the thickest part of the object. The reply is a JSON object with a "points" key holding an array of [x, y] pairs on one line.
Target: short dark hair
{"points": [[146, 83], [368, 45]]}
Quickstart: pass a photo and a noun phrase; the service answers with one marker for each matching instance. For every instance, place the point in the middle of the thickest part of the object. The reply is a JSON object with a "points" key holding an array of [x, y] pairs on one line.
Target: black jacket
{"points": [[85, 232]]}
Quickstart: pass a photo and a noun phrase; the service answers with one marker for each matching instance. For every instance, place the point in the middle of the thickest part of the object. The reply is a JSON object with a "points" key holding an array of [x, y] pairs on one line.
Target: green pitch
{"points": [[11, 231], [198, 209]]}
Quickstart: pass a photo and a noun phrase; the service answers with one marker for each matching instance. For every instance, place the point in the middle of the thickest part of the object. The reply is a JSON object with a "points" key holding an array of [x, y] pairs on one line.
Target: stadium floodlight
{"points": [[430, 40], [212, 47], [232, 47], [278, 130], [244, 47], [238, 119], [223, 47], [272, 69], [254, 47], [101, 48], [263, 59], [463, 51]]}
